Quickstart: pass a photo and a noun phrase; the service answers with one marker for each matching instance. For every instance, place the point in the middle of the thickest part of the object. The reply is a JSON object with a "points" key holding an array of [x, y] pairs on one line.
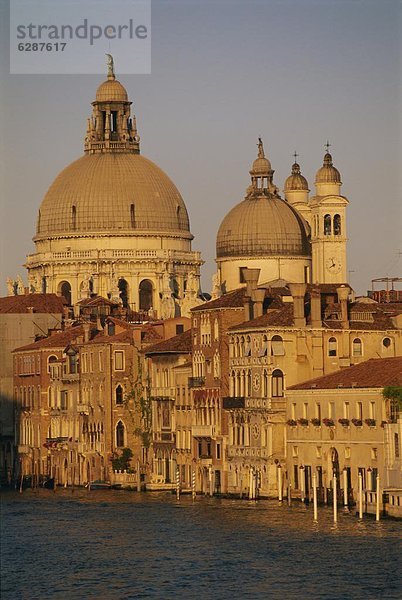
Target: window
{"points": [[396, 445], [346, 411], [318, 411], [357, 349], [73, 217], [132, 215], [277, 348], [146, 295], [305, 410], [327, 225], [120, 434], [337, 225], [124, 292], [101, 361], [374, 453], [51, 360], [64, 400], [331, 410], [332, 347], [65, 291], [295, 451], [293, 411], [119, 395], [372, 410], [179, 329], [277, 384], [359, 410], [119, 360], [218, 451]]}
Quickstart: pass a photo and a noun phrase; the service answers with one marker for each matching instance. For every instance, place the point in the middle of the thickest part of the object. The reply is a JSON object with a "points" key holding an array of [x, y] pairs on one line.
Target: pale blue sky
{"points": [[224, 72]]}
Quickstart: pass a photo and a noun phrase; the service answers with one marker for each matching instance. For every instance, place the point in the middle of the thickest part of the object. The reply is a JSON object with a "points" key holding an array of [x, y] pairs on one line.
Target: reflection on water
{"points": [[117, 545]]}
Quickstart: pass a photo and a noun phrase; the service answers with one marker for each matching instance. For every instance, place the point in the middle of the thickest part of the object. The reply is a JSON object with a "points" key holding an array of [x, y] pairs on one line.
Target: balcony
{"points": [[238, 402], [163, 393], [83, 409], [196, 382], [199, 431], [247, 452], [23, 449], [70, 377]]}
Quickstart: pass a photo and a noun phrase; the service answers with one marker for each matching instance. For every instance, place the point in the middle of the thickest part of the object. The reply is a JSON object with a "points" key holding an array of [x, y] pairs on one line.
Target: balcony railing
{"points": [[83, 409], [23, 449], [247, 452], [194, 382], [236, 402], [203, 431], [163, 393]]}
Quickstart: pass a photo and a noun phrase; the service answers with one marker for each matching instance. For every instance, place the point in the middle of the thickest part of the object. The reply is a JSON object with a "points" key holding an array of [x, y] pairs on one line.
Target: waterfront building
{"points": [[170, 406], [342, 424], [305, 331], [23, 318]]}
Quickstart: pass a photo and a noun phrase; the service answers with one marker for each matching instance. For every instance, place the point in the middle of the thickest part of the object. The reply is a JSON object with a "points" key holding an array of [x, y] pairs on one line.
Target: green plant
{"points": [[138, 403], [121, 462]]}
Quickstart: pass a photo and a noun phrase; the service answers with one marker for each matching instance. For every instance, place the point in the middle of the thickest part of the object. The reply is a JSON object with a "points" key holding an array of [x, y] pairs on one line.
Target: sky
{"points": [[297, 73]]}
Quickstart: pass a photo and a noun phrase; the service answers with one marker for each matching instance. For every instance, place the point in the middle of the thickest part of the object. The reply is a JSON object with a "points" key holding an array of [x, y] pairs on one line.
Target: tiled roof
{"points": [[124, 337], [57, 340], [376, 372], [178, 344], [41, 303], [230, 300], [149, 334], [282, 317], [96, 301]]}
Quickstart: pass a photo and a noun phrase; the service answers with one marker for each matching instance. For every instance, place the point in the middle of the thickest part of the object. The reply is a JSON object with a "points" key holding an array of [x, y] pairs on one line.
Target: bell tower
{"points": [[328, 225]]}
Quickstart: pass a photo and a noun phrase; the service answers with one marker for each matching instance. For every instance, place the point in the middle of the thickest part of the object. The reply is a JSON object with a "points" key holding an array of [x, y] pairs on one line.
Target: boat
{"points": [[98, 484]]}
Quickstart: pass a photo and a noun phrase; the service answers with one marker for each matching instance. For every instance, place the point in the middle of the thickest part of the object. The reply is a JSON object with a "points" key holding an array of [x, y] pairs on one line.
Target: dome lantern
{"points": [[262, 174], [111, 128]]}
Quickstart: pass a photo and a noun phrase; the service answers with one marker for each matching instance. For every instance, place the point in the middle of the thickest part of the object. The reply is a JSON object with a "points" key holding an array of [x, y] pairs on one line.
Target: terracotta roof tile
{"points": [[376, 372], [179, 344], [281, 317], [41, 303], [124, 337], [230, 300], [57, 340]]}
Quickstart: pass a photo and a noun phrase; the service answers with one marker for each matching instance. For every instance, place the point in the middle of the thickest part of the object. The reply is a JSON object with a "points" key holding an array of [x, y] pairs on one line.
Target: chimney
{"points": [[250, 277], [315, 307], [343, 294], [86, 328], [257, 298], [298, 291]]}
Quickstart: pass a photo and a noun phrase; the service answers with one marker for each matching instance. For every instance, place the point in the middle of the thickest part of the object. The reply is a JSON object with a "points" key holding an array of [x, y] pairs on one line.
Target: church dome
{"points": [[296, 181], [328, 173], [262, 224], [112, 194], [111, 90]]}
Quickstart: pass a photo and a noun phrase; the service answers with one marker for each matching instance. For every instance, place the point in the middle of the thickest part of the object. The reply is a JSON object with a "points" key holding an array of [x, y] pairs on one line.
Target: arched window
{"points": [[123, 287], [146, 294], [332, 347], [277, 384], [132, 215], [73, 217], [337, 225], [327, 225], [277, 347], [119, 395], [175, 288], [247, 347], [65, 291], [51, 360], [357, 347], [120, 434], [265, 384]]}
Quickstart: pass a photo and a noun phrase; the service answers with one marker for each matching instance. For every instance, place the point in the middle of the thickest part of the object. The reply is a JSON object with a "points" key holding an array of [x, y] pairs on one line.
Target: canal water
{"points": [[115, 544]]}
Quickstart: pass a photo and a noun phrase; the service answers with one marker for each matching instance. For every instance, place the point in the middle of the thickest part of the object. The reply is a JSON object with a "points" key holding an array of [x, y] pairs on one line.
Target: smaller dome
{"points": [[111, 90], [261, 166], [296, 181], [328, 173]]}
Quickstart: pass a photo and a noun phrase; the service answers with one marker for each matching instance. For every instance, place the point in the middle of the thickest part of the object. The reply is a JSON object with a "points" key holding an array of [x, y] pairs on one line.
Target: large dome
{"points": [[112, 194], [262, 226]]}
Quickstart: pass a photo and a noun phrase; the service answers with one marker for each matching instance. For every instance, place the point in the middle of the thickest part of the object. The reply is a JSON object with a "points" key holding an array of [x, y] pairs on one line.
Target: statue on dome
{"points": [[260, 148], [20, 286], [216, 286], [110, 65], [10, 287]]}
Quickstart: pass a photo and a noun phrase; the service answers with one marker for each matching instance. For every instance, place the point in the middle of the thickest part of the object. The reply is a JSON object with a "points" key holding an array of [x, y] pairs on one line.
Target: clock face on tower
{"points": [[333, 265]]}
